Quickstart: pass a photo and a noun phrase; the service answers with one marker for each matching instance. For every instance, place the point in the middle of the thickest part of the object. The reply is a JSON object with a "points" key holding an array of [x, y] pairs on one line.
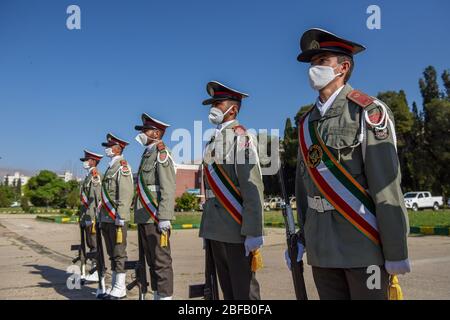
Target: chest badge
{"points": [[315, 154]]}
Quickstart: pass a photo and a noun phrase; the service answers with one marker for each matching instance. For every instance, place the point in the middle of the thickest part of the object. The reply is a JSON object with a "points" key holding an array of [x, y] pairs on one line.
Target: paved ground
{"points": [[34, 257]]}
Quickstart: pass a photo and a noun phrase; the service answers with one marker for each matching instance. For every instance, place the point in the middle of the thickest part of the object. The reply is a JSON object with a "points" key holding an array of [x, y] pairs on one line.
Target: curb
{"points": [[426, 230], [133, 226], [58, 219]]}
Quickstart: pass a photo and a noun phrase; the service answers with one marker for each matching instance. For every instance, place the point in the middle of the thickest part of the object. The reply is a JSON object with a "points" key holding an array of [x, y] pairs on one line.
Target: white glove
{"points": [[397, 267], [164, 225], [87, 223], [119, 222], [300, 252], [252, 243]]}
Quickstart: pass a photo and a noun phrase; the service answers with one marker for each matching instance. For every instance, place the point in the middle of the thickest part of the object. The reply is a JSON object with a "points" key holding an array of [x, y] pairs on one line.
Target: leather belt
{"points": [[319, 204], [209, 194], [153, 187]]}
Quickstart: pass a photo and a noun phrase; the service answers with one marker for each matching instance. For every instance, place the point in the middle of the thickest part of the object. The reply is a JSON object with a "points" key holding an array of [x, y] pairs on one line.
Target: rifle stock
{"points": [[209, 290], [140, 270], [292, 239]]}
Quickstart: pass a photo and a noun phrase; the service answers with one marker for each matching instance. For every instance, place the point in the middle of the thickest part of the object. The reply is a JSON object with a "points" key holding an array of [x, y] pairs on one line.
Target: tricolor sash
{"points": [[146, 198], [84, 199], [335, 183], [108, 204], [224, 190]]}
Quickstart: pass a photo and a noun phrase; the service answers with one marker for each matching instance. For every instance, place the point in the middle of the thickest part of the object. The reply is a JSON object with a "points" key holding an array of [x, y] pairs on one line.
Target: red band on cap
{"points": [[336, 44]]}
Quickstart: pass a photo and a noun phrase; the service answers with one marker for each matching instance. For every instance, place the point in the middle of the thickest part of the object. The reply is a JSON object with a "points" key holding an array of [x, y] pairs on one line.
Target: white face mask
{"points": [[142, 139], [321, 76], [109, 153], [86, 165], [216, 115]]}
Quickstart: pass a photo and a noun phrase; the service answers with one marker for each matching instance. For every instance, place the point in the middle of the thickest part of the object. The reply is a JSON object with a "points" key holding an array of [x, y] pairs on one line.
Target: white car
{"points": [[421, 200]]}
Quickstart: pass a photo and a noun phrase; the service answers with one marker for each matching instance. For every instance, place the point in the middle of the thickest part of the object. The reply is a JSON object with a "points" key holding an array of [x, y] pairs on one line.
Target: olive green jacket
{"points": [[158, 173], [330, 240], [217, 224], [91, 187], [118, 183]]}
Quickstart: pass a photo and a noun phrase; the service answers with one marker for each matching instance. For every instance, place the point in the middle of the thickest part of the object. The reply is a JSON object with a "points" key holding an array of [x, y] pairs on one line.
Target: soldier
{"points": [[154, 204], [90, 199], [232, 220], [349, 201], [117, 196]]}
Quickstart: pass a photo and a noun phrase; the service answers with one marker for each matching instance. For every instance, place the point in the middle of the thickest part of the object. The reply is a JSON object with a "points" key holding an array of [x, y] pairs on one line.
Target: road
{"points": [[35, 255]]}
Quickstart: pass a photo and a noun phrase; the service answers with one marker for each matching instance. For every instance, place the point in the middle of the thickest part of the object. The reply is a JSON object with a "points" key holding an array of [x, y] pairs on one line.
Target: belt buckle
{"points": [[319, 204]]}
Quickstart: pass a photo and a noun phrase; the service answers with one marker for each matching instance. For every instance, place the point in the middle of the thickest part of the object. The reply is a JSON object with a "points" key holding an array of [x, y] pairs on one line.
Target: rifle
{"points": [[292, 238], [209, 290], [139, 269], [101, 269], [83, 256]]}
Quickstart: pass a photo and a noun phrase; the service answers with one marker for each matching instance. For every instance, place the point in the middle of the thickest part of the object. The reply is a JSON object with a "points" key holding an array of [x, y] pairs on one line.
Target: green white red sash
{"points": [[84, 199], [146, 199], [108, 204], [335, 183], [224, 190]]}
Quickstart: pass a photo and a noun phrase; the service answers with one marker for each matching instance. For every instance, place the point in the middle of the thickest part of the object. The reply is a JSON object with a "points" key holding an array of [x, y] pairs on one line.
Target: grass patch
{"points": [[432, 218]]}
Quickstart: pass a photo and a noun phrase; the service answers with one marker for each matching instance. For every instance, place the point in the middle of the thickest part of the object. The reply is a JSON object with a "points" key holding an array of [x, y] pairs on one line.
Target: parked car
{"points": [[293, 202], [421, 200], [272, 203]]}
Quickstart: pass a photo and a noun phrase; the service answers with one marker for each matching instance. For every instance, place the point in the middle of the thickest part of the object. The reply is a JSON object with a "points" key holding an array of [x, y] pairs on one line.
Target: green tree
{"points": [[45, 189], [24, 203], [404, 120], [428, 85], [446, 80], [186, 202], [6, 196], [437, 144]]}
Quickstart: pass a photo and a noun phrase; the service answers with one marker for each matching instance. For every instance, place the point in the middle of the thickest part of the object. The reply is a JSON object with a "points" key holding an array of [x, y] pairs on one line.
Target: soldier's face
{"points": [[153, 134], [224, 106], [330, 60], [116, 149], [92, 163], [325, 59]]}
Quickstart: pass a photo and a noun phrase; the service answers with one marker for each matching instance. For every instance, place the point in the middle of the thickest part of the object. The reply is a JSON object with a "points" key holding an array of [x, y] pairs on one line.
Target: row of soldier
{"points": [[350, 208]]}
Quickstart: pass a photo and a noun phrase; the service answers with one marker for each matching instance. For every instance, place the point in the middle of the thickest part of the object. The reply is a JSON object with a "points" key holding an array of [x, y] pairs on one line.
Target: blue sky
{"points": [[62, 90]]}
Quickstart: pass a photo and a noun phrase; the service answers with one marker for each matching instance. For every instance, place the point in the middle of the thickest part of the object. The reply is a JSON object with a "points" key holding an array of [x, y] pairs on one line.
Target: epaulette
{"points": [[239, 130], [360, 98]]}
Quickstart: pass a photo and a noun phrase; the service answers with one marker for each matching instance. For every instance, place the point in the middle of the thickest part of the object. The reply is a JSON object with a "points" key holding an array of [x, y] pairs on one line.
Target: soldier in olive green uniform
{"points": [[344, 235], [232, 220], [117, 196], [154, 204], [90, 199]]}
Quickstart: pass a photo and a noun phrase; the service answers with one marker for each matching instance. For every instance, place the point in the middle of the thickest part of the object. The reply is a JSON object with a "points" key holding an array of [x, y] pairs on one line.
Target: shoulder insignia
{"points": [[124, 169], [161, 146], [162, 156], [239, 130], [375, 117], [360, 98]]}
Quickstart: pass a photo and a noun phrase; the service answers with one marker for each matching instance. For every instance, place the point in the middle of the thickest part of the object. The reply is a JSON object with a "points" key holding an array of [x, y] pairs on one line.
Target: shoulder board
{"points": [[360, 98], [239, 130], [161, 146]]}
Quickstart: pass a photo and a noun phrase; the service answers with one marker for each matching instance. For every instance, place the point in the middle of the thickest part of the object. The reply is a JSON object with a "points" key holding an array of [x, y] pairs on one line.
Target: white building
{"points": [[13, 180], [66, 176]]}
